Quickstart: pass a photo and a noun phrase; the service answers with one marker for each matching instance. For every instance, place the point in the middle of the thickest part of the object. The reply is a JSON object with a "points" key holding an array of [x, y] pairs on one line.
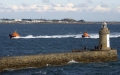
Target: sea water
{"points": [[57, 38]]}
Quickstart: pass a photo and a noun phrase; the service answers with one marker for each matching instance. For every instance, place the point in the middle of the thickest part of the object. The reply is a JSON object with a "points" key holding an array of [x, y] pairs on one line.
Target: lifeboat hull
{"points": [[85, 36], [11, 36]]}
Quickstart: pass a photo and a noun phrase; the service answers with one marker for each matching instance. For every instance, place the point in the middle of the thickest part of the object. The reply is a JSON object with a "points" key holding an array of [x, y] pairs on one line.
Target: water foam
{"points": [[72, 61], [115, 35], [92, 35]]}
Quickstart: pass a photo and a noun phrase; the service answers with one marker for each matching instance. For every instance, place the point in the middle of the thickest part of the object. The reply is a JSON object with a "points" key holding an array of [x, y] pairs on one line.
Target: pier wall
{"points": [[43, 60]]}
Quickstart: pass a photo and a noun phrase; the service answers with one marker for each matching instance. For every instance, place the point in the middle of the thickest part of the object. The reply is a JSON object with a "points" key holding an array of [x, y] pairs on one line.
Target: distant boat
{"points": [[14, 35], [85, 35]]}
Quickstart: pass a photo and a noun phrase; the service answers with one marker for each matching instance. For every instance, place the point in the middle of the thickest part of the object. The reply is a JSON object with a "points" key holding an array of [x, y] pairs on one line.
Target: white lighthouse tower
{"points": [[104, 41]]}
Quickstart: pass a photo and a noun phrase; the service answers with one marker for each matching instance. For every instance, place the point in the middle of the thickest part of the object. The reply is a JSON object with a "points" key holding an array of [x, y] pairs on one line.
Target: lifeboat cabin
{"points": [[14, 34], [85, 35]]}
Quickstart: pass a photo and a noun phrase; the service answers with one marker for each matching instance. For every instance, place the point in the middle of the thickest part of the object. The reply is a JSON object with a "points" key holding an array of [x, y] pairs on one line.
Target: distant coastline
{"points": [[66, 23], [55, 21]]}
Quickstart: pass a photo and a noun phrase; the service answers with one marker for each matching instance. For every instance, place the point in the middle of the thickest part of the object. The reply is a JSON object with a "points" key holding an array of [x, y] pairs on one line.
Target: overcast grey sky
{"points": [[89, 10]]}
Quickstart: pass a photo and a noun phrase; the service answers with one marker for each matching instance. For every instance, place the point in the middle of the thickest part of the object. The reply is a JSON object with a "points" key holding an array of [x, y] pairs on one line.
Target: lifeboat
{"points": [[85, 35], [14, 35]]}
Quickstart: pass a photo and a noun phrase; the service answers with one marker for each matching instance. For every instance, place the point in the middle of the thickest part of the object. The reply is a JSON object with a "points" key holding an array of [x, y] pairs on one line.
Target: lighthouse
{"points": [[104, 40]]}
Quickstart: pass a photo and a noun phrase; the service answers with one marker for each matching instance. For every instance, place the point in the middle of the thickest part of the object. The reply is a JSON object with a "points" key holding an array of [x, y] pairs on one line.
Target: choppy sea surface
{"points": [[57, 38]]}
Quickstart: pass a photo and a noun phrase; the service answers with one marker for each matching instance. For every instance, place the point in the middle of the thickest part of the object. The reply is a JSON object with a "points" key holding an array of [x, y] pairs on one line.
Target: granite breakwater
{"points": [[56, 59]]}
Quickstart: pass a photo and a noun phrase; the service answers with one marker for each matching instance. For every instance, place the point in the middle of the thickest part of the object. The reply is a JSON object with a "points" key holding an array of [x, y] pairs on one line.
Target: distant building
{"points": [[8, 20], [0, 21], [18, 20]]}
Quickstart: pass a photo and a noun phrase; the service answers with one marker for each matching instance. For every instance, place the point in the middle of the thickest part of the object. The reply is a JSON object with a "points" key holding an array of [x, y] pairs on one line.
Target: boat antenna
{"points": [[16, 30]]}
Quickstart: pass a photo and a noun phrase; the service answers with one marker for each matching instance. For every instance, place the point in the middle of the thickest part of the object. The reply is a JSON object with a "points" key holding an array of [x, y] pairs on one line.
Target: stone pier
{"points": [[57, 59]]}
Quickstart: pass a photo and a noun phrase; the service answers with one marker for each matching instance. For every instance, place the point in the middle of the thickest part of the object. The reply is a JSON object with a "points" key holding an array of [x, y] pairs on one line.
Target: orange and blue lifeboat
{"points": [[14, 34], [85, 35]]}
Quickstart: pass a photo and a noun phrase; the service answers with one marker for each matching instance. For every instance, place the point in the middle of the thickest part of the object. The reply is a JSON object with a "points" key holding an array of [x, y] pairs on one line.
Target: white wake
{"points": [[92, 35]]}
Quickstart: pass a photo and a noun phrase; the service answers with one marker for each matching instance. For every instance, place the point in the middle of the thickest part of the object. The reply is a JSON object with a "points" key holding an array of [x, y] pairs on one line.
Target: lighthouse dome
{"points": [[104, 25]]}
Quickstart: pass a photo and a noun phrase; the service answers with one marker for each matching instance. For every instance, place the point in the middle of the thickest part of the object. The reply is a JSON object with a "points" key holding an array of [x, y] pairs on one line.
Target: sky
{"points": [[88, 10]]}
